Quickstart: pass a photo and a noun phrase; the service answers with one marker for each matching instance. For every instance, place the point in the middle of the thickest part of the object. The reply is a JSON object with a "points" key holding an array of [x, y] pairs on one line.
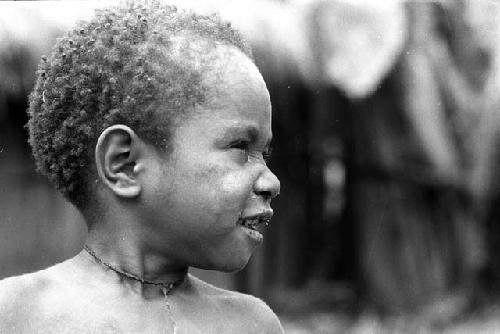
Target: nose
{"points": [[267, 185]]}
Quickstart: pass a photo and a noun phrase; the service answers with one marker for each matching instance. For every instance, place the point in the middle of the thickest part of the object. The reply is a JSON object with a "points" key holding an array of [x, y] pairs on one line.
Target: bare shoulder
{"points": [[23, 299], [18, 300], [248, 310], [258, 310]]}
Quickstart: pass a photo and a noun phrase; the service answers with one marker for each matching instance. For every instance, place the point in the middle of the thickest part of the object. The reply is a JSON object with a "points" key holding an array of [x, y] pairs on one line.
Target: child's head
{"points": [[141, 66], [171, 116]]}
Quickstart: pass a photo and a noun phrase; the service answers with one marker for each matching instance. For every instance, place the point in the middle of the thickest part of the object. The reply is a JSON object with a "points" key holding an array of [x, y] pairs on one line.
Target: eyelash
{"points": [[267, 154], [241, 144]]}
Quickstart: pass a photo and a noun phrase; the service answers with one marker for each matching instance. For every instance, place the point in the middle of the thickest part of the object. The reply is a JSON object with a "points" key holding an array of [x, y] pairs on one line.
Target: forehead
{"points": [[237, 104], [236, 86], [235, 97]]}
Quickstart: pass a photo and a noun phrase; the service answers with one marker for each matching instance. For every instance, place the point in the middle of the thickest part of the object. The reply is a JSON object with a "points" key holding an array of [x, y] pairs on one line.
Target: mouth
{"points": [[253, 225]]}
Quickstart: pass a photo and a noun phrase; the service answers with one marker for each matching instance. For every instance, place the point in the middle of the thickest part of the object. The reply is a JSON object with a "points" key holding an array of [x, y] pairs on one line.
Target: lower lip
{"points": [[256, 236]]}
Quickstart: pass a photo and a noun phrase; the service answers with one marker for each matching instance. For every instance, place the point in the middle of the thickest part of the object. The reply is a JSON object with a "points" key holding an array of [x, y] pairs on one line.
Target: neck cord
{"points": [[166, 288]]}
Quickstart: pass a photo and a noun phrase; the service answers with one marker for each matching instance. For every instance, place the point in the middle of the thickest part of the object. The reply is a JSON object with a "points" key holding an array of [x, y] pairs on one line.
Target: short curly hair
{"points": [[136, 64]]}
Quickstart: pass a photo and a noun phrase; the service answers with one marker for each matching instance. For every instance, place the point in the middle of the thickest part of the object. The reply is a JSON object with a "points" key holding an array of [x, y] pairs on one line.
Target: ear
{"points": [[117, 157]]}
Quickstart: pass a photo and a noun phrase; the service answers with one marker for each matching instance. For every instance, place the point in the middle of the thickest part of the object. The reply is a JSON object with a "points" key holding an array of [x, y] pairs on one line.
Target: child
{"points": [[156, 124]]}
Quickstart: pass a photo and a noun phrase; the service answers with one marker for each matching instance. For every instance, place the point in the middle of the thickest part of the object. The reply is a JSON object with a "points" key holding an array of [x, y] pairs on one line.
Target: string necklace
{"points": [[166, 287]]}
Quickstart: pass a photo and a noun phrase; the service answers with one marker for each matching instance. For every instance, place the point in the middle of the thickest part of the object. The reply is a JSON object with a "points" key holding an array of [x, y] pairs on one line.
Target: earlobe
{"points": [[117, 156]]}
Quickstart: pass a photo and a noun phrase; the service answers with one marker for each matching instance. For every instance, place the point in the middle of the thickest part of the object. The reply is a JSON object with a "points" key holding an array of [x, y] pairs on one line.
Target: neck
{"points": [[121, 255]]}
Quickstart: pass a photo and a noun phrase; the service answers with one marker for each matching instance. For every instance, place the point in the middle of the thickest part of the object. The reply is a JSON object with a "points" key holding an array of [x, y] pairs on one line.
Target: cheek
{"points": [[235, 188], [214, 185], [233, 183], [227, 189]]}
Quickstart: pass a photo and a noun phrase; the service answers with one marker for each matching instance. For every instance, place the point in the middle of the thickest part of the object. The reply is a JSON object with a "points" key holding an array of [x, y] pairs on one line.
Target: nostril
{"points": [[265, 194], [269, 191]]}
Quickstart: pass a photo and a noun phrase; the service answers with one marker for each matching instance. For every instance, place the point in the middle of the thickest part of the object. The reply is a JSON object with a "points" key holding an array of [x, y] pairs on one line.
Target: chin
{"points": [[229, 265], [234, 268]]}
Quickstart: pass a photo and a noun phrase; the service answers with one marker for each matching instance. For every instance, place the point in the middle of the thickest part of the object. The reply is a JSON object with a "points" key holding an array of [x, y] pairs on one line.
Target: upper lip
{"points": [[265, 215]]}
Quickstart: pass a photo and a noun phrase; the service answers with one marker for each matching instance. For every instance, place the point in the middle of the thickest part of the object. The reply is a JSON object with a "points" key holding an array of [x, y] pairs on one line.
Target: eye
{"points": [[245, 151], [240, 145], [241, 148]]}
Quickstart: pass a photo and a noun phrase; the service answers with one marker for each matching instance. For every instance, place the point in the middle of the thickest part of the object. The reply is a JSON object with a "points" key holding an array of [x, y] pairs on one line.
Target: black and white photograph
{"points": [[250, 166]]}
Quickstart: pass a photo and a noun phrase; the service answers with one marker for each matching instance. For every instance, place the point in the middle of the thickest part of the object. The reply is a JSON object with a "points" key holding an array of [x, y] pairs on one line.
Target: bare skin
{"points": [[77, 296], [159, 215]]}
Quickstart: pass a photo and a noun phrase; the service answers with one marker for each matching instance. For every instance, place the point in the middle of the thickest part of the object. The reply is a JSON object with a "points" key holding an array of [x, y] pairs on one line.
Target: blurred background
{"points": [[387, 141]]}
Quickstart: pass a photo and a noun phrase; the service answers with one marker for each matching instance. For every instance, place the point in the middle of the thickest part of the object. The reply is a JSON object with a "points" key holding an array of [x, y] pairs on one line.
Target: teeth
{"points": [[252, 223]]}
